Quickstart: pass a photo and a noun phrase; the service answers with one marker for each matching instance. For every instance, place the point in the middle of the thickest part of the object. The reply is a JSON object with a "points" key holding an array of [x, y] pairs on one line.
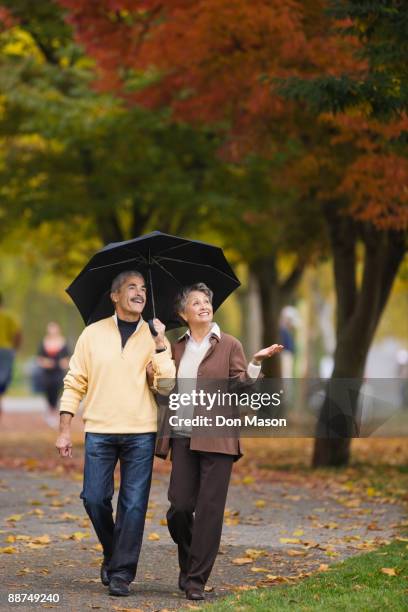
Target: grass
{"points": [[355, 584]]}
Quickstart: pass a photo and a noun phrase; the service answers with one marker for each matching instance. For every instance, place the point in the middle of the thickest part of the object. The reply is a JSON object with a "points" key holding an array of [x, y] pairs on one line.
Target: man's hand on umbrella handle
{"points": [[266, 352], [64, 445], [160, 328]]}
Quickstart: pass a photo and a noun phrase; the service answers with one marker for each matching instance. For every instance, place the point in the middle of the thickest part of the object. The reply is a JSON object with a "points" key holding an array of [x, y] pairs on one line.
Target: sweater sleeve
{"points": [[164, 371], [76, 379]]}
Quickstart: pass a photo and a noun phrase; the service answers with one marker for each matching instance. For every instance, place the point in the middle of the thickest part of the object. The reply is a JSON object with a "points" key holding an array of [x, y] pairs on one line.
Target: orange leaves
{"points": [[377, 185]]}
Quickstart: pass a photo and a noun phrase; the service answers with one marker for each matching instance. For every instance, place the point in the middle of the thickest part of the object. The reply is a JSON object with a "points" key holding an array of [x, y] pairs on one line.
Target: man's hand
{"points": [[64, 444], [159, 339], [266, 352]]}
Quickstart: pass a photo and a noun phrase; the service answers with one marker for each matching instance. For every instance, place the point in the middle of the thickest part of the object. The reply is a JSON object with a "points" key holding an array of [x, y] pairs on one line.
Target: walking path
{"points": [[273, 531]]}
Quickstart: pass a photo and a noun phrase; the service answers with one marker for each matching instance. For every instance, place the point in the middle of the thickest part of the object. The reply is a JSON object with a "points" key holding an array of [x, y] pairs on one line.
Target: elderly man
{"points": [[120, 415]]}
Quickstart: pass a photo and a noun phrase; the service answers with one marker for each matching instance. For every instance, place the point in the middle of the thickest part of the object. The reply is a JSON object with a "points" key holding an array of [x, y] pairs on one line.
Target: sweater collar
{"points": [[140, 323]]}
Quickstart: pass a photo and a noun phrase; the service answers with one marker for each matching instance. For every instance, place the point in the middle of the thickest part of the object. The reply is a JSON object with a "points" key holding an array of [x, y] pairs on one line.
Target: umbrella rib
{"points": [[177, 246], [166, 271], [139, 259], [193, 263]]}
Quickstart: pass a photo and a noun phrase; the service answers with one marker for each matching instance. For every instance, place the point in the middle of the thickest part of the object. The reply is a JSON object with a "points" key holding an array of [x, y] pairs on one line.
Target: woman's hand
{"points": [[264, 353]]}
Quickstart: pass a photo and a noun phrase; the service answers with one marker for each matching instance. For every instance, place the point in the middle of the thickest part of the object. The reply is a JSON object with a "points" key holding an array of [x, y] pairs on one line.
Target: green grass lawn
{"points": [[356, 584]]}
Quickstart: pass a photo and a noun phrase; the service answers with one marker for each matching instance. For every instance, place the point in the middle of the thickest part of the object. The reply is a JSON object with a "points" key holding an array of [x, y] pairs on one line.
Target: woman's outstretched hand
{"points": [[266, 352]]}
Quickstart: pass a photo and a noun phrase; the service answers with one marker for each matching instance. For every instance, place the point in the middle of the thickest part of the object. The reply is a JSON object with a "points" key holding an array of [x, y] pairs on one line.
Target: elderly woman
{"points": [[201, 465]]}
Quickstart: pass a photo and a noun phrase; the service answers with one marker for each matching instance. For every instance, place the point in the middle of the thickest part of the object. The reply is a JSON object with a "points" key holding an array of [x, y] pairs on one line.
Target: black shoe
{"points": [[182, 581], [118, 587], [194, 594], [104, 573]]}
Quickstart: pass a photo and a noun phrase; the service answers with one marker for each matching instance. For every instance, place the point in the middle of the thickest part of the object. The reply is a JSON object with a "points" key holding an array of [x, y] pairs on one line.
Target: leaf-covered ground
{"points": [[283, 522]]}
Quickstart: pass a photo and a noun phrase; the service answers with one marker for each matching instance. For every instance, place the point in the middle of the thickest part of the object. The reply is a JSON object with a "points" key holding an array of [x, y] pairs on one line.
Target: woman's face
{"points": [[198, 309]]}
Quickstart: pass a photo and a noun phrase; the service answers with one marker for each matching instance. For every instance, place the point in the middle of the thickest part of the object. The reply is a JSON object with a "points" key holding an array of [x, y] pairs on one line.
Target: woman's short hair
{"points": [[181, 299], [122, 278]]}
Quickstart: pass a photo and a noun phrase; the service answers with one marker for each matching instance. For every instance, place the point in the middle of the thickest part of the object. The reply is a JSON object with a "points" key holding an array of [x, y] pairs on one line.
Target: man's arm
{"points": [[64, 443]]}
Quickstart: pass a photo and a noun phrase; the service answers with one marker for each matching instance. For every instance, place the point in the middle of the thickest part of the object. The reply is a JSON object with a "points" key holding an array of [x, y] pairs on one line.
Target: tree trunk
{"points": [[273, 294], [358, 313]]}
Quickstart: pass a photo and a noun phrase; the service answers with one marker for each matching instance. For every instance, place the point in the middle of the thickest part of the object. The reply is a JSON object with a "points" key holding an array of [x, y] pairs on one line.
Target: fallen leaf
{"points": [[296, 553], [259, 569], [13, 518], [289, 540], [8, 550], [389, 571], [242, 560], [298, 532], [323, 567], [153, 536], [37, 512], [163, 522], [78, 536], [260, 503], [247, 480], [254, 553]]}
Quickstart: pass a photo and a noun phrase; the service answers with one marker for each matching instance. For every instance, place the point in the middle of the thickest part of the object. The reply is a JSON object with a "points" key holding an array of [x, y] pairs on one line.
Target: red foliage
{"points": [[214, 61]]}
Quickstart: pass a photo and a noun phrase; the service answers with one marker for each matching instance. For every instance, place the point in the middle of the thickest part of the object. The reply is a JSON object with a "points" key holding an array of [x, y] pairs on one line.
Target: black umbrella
{"points": [[167, 264]]}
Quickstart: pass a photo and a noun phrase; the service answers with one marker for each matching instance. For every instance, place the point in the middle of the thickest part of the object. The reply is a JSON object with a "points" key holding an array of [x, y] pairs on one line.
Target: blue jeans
{"points": [[121, 540]]}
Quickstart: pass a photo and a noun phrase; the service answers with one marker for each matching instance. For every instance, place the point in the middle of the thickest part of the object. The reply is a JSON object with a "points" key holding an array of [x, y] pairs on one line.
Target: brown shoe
{"points": [[194, 594]]}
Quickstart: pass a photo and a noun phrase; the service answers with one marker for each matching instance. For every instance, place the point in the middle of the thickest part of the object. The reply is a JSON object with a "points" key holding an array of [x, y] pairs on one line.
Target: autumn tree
{"points": [[220, 62], [222, 81], [82, 161]]}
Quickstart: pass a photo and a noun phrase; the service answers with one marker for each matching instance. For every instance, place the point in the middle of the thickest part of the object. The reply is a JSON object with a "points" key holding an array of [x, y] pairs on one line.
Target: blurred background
{"points": [[277, 130]]}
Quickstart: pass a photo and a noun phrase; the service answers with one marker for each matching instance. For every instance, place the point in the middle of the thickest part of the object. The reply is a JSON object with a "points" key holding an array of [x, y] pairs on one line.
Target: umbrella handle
{"points": [[151, 327]]}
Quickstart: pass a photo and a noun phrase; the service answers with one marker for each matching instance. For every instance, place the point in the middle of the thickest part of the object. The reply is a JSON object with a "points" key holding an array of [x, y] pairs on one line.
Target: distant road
{"points": [[34, 403]]}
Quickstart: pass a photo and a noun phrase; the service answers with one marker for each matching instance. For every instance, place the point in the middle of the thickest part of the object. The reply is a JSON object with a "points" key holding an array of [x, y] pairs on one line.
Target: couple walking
{"points": [[120, 365]]}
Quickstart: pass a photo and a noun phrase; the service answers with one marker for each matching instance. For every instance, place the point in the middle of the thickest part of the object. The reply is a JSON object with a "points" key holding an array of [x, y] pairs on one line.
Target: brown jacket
{"points": [[225, 360]]}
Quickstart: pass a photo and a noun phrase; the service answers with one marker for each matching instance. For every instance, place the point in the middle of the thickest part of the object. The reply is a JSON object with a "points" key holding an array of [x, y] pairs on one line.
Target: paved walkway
{"points": [[272, 531]]}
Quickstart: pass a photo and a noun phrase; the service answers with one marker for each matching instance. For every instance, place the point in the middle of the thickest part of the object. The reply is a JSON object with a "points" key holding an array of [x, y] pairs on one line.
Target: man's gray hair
{"points": [[181, 300], [122, 278]]}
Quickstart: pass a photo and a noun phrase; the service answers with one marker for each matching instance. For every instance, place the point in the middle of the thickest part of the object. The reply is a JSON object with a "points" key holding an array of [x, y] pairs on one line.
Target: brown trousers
{"points": [[198, 485]]}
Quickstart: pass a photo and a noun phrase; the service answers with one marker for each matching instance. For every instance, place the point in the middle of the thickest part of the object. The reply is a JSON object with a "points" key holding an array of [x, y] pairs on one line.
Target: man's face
{"points": [[130, 299]]}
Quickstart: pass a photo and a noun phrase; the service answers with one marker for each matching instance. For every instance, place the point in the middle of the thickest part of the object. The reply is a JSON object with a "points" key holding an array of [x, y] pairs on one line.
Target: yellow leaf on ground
{"points": [[247, 480], [273, 578], [153, 536], [371, 492], [13, 518], [37, 512], [10, 539], [242, 560], [298, 532], [259, 569], [98, 547], [8, 550], [254, 553], [163, 522], [79, 535], [289, 540], [296, 553], [389, 571], [323, 567], [45, 539], [260, 503]]}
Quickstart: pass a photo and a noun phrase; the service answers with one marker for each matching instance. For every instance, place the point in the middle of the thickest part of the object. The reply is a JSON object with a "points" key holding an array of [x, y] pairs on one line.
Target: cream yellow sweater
{"points": [[118, 398]]}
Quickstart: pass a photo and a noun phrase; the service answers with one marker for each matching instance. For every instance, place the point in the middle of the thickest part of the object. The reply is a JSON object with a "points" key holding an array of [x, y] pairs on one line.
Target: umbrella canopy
{"points": [[167, 263]]}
